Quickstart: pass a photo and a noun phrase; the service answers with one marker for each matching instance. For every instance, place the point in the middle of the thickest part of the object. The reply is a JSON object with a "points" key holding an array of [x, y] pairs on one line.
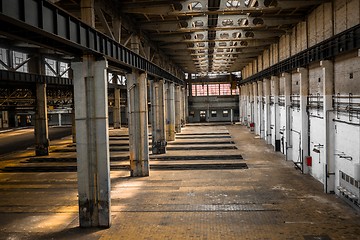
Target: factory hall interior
{"points": [[180, 119]]}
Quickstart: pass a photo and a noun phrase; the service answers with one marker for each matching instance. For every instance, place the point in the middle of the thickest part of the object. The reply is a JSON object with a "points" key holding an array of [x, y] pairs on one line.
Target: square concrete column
{"points": [[158, 117], [247, 105], [116, 111], [92, 142], [117, 107], [182, 107], [288, 91], [36, 65], [186, 104], [178, 112], [73, 121], [267, 117], [251, 104], [170, 112], [255, 108], [59, 119], [138, 124], [329, 146], [41, 122], [241, 104], [275, 134], [260, 128], [304, 128]]}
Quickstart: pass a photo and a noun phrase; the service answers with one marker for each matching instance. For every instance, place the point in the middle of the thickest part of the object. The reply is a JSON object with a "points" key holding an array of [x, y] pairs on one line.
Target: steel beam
{"points": [[42, 23], [21, 77]]}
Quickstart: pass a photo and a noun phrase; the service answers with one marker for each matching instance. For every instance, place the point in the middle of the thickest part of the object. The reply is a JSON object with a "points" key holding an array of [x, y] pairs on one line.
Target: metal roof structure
{"points": [[211, 36], [203, 37]]}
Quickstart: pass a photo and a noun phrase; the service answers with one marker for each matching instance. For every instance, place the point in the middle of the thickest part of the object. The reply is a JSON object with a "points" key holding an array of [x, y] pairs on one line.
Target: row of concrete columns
{"points": [[259, 106], [90, 85], [91, 121]]}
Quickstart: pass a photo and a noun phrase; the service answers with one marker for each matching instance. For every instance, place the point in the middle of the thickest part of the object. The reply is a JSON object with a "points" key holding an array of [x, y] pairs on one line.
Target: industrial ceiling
{"points": [[201, 36]]}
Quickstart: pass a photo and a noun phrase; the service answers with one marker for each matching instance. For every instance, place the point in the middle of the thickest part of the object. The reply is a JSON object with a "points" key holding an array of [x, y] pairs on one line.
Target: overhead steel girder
{"points": [[42, 23], [21, 77], [346, 41]]}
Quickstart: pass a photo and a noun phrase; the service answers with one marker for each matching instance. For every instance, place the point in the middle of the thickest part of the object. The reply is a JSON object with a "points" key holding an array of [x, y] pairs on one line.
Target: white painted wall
{"points": [[295, 137], [347, 142], [322, 23], [317, 139], [282, 119]]}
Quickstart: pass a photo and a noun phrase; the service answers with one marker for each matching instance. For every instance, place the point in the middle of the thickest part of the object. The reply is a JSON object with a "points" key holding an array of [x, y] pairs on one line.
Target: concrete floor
{"points": [[198, 190]]}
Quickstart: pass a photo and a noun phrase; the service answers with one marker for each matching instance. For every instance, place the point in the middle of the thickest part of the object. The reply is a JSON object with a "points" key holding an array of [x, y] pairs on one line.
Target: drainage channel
{"points": [[200, 143], [28, 169], [127, 158], [216, 166], [169, 167], [193, 157], [190, 148], [68, 159], [202, 137], [203, 134]]}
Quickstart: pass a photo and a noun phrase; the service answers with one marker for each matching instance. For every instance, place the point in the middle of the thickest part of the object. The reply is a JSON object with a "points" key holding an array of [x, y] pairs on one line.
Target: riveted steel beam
{"points": [[21, 77], [42, 23]]}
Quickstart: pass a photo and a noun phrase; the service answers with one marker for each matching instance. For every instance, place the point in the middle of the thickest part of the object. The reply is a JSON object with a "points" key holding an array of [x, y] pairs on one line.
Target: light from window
{"points": [[213, 89], [232, 3], [227, 22], [64, 67], [225, 89], [19, 58], [3, 58], [213, 114], [225, 113], [50, 67], [201, 90], [195, 6]]}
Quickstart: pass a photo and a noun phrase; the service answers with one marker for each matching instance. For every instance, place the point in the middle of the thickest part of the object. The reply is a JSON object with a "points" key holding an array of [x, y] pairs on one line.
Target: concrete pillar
{"points": [[255, 108], [250, 104], [267, 117], [170, 112], [59, 118], [260, 109], [41, 122], [36, 65], [182, 106], [4, 121], [117, 106], [240, 105], [304, 128], [246, 103], [178, 109], [92, 142], [87, 12], [138, 118], [288, 126], [158, 117], [138, 124], [329, 146], [276, 121], [117, 111]]}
